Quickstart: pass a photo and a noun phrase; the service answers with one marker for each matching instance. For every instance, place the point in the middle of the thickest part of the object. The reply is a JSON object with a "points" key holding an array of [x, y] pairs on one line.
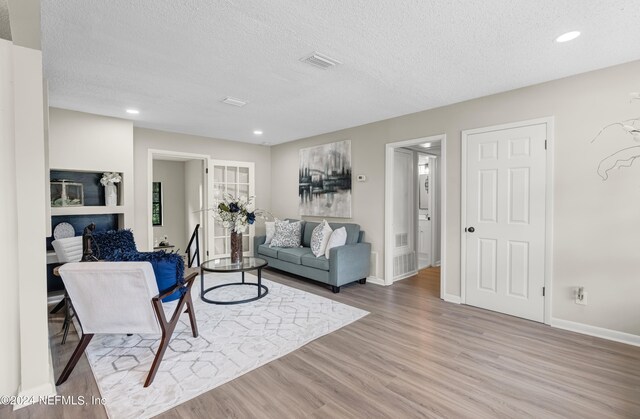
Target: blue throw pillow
{"points": [[106, 243]]}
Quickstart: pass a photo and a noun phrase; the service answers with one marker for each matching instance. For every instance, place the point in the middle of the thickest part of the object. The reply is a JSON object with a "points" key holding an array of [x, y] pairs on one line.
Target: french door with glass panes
{"points": [[237, 179]]}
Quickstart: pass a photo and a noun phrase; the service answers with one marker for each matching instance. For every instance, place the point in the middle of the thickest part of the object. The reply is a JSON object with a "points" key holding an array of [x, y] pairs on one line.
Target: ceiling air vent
{"points": [[234, 101], [319, 60]]}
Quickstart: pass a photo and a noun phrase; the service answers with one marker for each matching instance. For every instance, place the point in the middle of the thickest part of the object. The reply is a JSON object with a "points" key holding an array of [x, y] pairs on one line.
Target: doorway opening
{"points": [[177, 195], [413, 168]]}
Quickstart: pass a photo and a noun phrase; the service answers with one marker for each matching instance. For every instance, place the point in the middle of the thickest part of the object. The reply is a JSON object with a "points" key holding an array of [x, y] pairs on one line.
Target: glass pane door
{"points": [[237, 180]]}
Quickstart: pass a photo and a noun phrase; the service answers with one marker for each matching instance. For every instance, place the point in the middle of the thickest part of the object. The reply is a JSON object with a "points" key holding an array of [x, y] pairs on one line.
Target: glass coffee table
{"points": [[224, 265]]}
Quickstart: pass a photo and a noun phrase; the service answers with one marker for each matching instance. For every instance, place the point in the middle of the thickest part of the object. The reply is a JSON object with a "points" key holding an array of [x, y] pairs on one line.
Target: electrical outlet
{"points": [[582, 302]]}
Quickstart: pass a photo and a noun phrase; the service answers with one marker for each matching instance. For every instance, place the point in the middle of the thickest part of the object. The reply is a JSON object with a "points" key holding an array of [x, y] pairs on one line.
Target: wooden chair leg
{"points": [[169, 326], [58, 306], [164, 343], [192, 317], [167, 331], [75, 357]]}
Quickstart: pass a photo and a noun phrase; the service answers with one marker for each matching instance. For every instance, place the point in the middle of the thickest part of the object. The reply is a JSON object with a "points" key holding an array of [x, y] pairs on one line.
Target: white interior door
{"points": [[505, 220]]}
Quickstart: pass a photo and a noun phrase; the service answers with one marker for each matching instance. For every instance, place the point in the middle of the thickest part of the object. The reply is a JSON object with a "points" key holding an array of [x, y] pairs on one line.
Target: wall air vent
{"points": [[234, 101], [320, 61]]}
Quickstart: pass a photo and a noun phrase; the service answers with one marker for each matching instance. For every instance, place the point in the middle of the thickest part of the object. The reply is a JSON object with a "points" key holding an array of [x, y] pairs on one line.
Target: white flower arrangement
{"points": [[109, 178], [237, 213]]}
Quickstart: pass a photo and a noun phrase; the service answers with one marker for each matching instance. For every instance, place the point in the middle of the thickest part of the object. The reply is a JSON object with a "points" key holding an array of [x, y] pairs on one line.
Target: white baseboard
{"points": [[599, 332], [376, 281], [33, 395], [405, 276], [452, 299]]}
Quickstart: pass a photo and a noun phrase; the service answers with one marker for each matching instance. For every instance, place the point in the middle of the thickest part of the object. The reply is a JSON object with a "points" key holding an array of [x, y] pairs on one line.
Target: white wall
{"points": [[9, 310], [596, 223], [24, 355], [94, 143], [193, 189], [147, 139], [174, 219]]}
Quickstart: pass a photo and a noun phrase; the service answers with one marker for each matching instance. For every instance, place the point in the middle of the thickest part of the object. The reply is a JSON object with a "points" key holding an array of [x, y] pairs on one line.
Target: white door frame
{"points": [[388, 206], [548, 271], [155, 154]]}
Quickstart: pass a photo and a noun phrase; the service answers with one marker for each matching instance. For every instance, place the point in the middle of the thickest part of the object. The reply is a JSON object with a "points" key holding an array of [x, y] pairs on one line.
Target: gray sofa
{"points": [[346, 264]]}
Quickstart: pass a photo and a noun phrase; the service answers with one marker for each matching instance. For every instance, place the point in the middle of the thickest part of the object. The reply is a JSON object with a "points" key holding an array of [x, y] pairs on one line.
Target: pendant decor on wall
{"points": [[625, 156], [325, 180]]}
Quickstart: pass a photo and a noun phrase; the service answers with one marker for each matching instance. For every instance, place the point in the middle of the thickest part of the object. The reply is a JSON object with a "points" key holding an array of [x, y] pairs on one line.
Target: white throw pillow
{"points": [[320, 238], [287, 234], [270, 227], [338, 238]]}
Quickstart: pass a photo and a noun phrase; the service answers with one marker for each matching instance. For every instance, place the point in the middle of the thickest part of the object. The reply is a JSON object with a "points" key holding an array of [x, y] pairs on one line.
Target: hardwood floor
{"points": [[413, 356]]}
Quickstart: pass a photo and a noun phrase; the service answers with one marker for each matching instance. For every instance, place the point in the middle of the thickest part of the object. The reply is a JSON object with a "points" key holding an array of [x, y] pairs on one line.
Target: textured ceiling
{"points": [[175, 60]]}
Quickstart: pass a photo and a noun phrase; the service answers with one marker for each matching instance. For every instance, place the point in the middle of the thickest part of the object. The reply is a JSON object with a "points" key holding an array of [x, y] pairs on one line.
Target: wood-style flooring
{"points": [[413, 356]]}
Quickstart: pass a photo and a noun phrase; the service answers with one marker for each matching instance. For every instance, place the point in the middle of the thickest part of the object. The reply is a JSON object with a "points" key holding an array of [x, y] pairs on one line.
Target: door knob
{"points": [[471, 229]]}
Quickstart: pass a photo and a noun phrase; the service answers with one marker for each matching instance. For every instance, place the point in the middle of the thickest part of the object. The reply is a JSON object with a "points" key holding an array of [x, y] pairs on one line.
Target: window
{"points": [[156, 204]]}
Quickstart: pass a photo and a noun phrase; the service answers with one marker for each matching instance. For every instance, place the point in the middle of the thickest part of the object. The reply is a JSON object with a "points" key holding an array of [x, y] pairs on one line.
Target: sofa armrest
{"points": [[349, 263], [257, 241]]}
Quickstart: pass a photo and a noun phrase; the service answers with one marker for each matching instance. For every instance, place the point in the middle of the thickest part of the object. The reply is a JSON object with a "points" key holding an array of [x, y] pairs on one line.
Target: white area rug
{"points": [[232, 341]]}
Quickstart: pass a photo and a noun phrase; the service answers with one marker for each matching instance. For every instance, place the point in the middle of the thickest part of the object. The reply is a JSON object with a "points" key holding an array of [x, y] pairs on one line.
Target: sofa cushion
{"points": [[315, 262], [294, 255], [264, 249], [353, 231], [287, 234]]}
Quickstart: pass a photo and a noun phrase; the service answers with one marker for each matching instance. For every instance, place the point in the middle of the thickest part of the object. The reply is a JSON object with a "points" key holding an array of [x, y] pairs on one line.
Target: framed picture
{"points": [[156, 204], [324, 180]]}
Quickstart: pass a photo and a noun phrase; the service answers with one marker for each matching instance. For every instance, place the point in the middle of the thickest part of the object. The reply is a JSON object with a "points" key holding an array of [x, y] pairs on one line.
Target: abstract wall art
{"points": [[325, 180]]}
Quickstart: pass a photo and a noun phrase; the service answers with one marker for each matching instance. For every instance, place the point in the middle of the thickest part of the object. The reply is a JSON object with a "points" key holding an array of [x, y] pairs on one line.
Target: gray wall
{"points": [[171, 174], [596, 226]]}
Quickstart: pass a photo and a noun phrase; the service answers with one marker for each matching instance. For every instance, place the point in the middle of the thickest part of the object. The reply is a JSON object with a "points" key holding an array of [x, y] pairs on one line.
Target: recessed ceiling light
{"points": [[133, 111], [565, 37], [257, 132], [425, 145]]}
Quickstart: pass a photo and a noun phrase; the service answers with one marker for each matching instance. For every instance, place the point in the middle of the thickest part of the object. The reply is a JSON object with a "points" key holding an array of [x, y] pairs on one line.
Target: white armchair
{"points": [[122, 298], [68, 250]]}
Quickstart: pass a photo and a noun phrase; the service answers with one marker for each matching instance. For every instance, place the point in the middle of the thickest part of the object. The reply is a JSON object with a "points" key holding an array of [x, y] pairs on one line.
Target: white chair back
{"points": [[69, 249], [112, 297]]}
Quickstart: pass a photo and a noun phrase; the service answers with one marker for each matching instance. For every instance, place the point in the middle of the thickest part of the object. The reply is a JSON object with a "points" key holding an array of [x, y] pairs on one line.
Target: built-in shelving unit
{"points": [[82, 147], [87, 210], [94, 209]]}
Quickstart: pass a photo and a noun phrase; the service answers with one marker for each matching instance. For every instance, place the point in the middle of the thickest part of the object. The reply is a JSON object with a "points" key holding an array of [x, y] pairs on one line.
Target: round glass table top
{"points": [[225, 264]]}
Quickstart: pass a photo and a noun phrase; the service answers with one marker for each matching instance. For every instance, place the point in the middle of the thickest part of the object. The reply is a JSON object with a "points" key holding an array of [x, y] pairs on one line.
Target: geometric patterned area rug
{"points": [[233, 340]]}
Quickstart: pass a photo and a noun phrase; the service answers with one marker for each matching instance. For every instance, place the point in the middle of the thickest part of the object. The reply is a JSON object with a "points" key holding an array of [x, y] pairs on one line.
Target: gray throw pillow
{"points": [[319, 238], [286, 235]]}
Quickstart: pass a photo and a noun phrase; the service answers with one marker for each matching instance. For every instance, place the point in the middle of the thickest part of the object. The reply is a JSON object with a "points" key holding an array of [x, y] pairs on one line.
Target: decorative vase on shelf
{"points": [[110, 195], [236, 247]]}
